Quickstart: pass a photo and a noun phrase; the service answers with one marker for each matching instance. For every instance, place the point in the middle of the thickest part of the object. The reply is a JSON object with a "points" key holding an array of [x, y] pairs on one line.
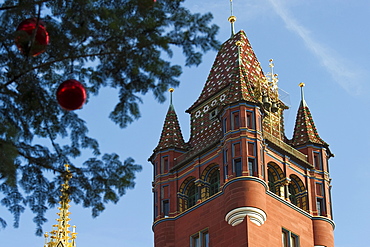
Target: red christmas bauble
{"points": [[71, 95], [29, 42]]}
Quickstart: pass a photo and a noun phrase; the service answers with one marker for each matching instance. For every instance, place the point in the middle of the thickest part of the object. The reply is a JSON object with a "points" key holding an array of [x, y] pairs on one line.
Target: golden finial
{"points": [[61, 236], [171, 91], [232, 18], [301, 85]]}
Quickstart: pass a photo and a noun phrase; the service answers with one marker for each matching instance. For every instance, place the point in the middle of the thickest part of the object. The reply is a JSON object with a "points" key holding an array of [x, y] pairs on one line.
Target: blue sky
{"points": [[325, 44]]}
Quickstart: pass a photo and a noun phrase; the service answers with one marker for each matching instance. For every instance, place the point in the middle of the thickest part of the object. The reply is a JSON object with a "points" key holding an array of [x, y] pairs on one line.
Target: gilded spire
{"points": [[61, 236]]}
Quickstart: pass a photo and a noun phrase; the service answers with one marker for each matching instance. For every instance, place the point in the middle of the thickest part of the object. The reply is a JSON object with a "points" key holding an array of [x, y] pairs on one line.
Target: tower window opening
{"points": [[214, 182], [238, 167], [192, 195], [235, 120], [275, 178], [292, 195], [320, 199], [297, 192], [289, 239], [164, 164], [195, 240], [317, 160], [250, 120], [320, 206], [166, 208], [252, 167], [200, 239]]}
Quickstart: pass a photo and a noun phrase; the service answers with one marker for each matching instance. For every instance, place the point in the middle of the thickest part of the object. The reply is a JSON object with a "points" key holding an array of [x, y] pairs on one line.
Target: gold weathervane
{"points": [[61, 236]]}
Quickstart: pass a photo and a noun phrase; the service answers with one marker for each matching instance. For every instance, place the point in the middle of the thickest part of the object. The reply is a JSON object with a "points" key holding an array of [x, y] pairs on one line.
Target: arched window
{"points": [[192, 194], [211, 181], [272, 181], [214, 181], [292, 193], [275, 179], [188, 194], [297, 192]]}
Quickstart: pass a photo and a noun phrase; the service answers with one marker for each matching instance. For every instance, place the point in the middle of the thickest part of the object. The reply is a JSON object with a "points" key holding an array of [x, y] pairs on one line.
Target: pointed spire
{"points": [[232, 19], [171, 90], [303, 102], [305, 131], [235, 68], [171, 136], [61, 236]]}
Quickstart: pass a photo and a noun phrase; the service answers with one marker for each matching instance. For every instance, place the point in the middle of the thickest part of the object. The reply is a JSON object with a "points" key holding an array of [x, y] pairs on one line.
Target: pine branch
{"points": [[19, 5], [52, 62]]}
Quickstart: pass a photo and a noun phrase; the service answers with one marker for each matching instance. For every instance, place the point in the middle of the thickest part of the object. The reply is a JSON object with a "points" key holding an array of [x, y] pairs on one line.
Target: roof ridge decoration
{"points": [[305, 131], [61, 236], [171, 136]]}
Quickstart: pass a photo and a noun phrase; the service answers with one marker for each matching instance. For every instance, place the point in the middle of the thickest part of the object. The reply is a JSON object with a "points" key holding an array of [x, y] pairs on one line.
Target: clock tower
{"points": [[238, 181]]}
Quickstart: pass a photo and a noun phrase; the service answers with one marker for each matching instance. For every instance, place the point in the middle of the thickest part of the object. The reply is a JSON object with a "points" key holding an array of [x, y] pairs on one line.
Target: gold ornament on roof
{"points": [[272, 78], [238, 43], [232, 19], [61, 236]]}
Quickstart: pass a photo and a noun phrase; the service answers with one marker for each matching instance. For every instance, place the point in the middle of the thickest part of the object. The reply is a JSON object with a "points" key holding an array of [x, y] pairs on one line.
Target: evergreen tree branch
{"points": [[15, 78], [20, 5], [125, 39]]}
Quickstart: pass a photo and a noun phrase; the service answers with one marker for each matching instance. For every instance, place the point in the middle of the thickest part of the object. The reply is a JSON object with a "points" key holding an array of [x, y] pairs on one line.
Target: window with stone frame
{"points": [[320, 199], [200, 239], [289, 239]]}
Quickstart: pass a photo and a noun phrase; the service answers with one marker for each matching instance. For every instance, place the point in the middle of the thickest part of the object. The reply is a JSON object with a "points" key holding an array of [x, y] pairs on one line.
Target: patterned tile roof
{"points": [[171, 136], [305, 131], [236, 66]]}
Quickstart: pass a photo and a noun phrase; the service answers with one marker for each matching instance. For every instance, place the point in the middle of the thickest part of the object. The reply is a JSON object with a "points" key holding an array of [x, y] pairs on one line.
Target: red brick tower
{"points": [[239, 181]]}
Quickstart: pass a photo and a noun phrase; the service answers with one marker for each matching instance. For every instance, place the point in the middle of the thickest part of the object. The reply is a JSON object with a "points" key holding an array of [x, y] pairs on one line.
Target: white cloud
{"points": [[342, 71]]}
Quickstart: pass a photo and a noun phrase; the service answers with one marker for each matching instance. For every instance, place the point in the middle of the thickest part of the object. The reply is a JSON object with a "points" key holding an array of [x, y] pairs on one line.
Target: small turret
{"points": [[305, 131], [171, 136]]}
